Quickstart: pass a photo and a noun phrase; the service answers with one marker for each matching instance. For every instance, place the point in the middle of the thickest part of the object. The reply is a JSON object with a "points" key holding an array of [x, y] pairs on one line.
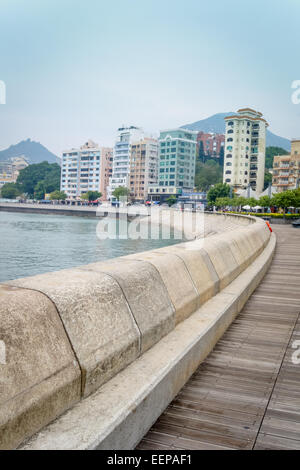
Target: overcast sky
{"points": [[79, 69]]}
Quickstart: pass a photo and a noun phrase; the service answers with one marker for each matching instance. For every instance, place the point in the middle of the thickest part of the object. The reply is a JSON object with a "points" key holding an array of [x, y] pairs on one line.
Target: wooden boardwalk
{"points": [[246, 394]]}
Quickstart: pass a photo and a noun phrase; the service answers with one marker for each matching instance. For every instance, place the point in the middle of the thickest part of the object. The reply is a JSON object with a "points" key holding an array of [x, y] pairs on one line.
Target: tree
{"points": [[286, 199], [207, 174], [47, 173], [251, 201], [264, 201], [58, 196], [10, 191], [270, 154], [91, 196], [39, 190], [217, 191], [240, 201], [171, 200], [121, 191], [268, 179], [224, 202], [52, 180]]}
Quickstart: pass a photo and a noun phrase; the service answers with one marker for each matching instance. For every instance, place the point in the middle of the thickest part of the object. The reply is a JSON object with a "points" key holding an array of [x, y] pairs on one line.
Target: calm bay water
{"points": [[34, 244]]}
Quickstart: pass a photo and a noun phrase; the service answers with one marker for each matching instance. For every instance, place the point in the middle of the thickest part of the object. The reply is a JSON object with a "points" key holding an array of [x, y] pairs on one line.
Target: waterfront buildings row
{"points": [[154, 169], [132, 163], [147, 167], [245, 150], [286, 169]]}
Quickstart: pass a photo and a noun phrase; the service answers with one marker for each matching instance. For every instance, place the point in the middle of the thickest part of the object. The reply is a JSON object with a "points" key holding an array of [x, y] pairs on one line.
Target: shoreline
{"points": [[56, 209]]}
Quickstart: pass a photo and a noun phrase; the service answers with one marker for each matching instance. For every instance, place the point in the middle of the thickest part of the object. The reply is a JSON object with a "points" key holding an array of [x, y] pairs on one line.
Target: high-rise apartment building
{"points": [[143, 167], [177, 158], [245, 149], [177, 162], [83, 170], [121, 157], [286, 169]]}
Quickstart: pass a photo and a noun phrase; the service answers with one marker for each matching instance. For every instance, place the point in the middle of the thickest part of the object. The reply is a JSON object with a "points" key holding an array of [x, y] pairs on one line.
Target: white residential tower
{"points": [[245, 150]]}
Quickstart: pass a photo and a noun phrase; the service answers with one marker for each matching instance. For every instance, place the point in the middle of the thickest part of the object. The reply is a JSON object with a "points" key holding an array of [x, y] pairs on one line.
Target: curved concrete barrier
{"points": [[84, 333], [40, 377]]}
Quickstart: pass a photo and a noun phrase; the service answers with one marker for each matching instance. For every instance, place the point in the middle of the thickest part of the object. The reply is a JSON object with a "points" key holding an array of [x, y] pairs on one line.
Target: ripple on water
{"points": [[36, 243]]}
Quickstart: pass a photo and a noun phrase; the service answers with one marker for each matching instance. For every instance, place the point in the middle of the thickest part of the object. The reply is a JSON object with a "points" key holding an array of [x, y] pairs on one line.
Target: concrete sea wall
{"points": [[61, 209], [94, 354]]}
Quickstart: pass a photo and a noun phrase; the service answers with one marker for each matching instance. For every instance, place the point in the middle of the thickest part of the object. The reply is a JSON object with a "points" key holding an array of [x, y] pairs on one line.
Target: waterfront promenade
{"points": [[246, 394], [167, 310], [64, 209], [58, 209]]}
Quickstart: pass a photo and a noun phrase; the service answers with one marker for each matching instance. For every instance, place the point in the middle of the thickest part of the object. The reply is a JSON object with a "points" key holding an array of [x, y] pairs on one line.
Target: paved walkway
{"points": [[246, 394]]}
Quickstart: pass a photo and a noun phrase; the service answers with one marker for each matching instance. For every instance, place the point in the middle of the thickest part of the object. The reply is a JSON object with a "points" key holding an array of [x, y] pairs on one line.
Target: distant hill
{"points": [[33, 151], [216, 124]]}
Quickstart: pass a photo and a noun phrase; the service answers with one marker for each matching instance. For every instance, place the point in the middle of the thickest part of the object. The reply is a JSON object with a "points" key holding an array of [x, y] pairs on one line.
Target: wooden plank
{"points": [[269, 442], [246, 394]]}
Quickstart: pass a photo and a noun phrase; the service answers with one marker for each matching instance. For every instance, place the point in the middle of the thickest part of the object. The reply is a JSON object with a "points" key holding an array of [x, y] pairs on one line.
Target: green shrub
{"points": [[275, 215]]}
